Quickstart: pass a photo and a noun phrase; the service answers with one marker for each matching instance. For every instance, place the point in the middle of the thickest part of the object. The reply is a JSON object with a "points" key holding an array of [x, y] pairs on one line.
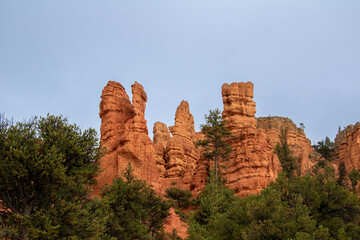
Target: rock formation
{"points": [[125, 136], [174, 159], [239, 108], [181, 151], [298, 143], [347, 147], [253, 164], [161, 136]]}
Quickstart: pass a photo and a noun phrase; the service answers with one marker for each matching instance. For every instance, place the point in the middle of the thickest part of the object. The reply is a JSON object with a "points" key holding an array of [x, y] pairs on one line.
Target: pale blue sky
{"points": [[302, 56]]}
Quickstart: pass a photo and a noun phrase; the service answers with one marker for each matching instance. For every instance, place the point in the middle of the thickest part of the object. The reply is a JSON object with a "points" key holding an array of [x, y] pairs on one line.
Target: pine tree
{"points": [[283, 151], [135, 211], [215, 145], [46, 166]]}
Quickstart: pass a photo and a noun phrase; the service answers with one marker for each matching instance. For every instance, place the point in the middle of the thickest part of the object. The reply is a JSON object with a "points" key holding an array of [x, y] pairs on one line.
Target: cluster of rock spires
{"points": [[173, 159]]}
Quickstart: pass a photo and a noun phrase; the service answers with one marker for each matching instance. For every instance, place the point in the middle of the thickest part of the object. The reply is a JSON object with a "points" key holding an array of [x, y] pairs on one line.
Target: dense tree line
{"points": [[47, 167], [316, 205]]}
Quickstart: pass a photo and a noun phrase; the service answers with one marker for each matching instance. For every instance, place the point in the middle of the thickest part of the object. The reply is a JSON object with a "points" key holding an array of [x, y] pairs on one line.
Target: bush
{"points": [[180, 196]]}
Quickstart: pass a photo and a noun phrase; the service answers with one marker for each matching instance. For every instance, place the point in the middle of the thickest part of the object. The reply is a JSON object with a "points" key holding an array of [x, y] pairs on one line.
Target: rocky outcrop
{"points": [[173, 222], [298, 143], [347, 147], [181, 153], [161, 136], [239, 107], [124, 134], [173, 160], [253, 164]]}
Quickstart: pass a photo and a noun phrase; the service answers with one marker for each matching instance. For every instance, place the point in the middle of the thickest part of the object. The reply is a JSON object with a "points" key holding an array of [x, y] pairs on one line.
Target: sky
{"points": [[303, 57]]}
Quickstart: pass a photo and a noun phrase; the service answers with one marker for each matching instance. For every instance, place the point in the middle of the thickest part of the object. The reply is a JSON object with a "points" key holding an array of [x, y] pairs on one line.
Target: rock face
{"points": [[173, 160], [239, 108], [181, 151], [124, 133], [347, 147], [161, 137], [299, 144], [177, 155], [253, 164]]}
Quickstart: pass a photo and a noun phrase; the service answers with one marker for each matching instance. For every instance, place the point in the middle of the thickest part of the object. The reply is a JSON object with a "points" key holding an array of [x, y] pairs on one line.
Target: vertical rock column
{"points": [[161, 136], [181, 151], [347, 147], [239, 107], [252, 165], [124, 133], [115, 111]]}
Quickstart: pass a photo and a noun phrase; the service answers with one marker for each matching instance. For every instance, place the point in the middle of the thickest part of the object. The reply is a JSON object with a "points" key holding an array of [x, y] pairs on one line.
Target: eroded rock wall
{"points": [[177, 155], [299, 144], [173, 159], [347, 147], [124, 134], [253, 164]]}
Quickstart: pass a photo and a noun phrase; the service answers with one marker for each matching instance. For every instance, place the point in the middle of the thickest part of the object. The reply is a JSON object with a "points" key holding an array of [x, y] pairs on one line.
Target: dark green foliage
{"points": [[181, 198], [215, 145], [213, 203], [300, 207], [288, 162], [354, 177], [46, 166], [134, 210], [325, 148], [342, 174], [267, 216], [169, 236], [183, 216], [330, 205]]}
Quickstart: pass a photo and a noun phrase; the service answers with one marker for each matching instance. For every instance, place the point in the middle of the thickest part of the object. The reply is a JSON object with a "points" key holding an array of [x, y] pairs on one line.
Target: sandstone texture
{"points": [[239, 107], [173, 221], [253, 164], [177, 152], [124, 134], [347, 147], [161, 136], [172, 159], [299, 145]]}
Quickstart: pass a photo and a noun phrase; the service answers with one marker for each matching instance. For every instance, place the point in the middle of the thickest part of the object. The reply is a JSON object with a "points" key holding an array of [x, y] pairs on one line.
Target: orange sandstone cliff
{"points": [[172, 158], [347, 147], [124, 134]]}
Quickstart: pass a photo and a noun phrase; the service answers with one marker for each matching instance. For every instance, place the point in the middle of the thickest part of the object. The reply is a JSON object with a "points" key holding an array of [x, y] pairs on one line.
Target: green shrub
{"points": [[181, 197]]}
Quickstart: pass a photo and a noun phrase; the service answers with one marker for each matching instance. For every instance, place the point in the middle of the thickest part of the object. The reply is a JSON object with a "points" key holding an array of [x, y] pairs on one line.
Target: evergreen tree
{"points": [[283, 152], [325, 148], [214, 201], [134, 209], [342, 174], [46, 166], [354, 177], [215, 145]]}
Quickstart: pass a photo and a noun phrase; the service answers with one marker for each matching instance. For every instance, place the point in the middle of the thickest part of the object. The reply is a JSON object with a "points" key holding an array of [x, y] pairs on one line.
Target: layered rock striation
{"points": [[299, 144], [172, 158], [124, 134], [347, 147], [253, 164]]}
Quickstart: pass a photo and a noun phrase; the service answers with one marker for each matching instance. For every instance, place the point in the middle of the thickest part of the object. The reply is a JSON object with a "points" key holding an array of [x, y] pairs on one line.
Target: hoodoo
{"points": [[172, 157]]}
